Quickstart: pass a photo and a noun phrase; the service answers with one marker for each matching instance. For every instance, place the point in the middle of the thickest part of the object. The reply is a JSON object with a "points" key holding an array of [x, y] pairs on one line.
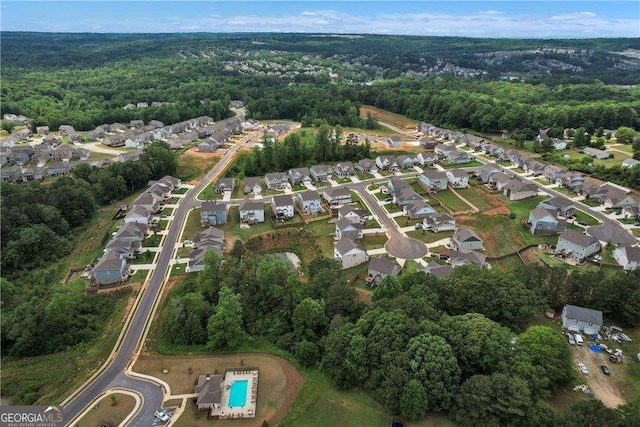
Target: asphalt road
{"points": [[114, 375]]}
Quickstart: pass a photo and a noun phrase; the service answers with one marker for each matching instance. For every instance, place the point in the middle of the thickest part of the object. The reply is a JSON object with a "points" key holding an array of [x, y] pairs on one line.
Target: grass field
{"points": [[374, 241], [478, 196], [451, 201], [584, 217], [105, 412], [192, 165], [192, 225], [521, 208], [386, 116], [471, 164], [319, 404]]}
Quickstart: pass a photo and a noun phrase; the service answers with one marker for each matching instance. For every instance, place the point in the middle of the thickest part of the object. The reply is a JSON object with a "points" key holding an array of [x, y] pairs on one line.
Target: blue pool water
{"points": [[238, 394]]}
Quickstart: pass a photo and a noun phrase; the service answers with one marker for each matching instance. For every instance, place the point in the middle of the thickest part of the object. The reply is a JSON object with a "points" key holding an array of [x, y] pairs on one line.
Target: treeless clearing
{"points": [[193, 164], [606, 388], [107, 413], [387, 116], [277, 383]]}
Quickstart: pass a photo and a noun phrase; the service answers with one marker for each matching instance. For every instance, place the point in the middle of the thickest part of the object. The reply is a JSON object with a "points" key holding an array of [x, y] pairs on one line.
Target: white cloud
{"points": [[490, 12]]}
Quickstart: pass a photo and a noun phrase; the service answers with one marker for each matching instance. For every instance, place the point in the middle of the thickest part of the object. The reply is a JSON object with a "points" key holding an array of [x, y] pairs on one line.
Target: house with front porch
{"points": [[138, 214], [299, 176], [252, 185], [348, 212], [439, 222], [213, 213], [225, 185], [276, 180], [484, 172], [111, 269], [465, 238], [553, 173], [406, 197], [577, 246], [418, 209], [367, 166], [344, 169], [397, 185], [518, 189], [387, 162], [404, 161], [320, 173], [427, 158], [533, 167], [349, 253], [457, 157]]}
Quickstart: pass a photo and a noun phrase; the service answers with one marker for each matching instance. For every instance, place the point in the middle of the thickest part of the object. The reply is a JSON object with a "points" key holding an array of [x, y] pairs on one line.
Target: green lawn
{"points": [[173, 200], [590, 202], [471, 164], [622, 147], [233, 225], [319, 404], [428, 236], [419, 188], [374, 241], [145, 257], [209, 193], [392, 208], [586, 218], [521, 207], [152, 241], [192, 225], [451, 201], [477, 195], [166, 211], [163, 224]]}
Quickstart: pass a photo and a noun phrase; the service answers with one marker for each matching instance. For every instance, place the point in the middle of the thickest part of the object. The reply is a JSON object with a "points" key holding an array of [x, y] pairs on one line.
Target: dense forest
{"points": [[460, 344]]}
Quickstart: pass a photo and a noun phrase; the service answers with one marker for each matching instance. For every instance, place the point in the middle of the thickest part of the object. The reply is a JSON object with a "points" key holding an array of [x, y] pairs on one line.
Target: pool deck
{"points": [[249, 409]]}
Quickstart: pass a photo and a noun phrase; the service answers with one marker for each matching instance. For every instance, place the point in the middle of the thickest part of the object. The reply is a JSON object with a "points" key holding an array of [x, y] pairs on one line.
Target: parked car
{"points": [[583, 368], [579, 339], [605, 370], [584, 224], [418, 226], [444, 255]]}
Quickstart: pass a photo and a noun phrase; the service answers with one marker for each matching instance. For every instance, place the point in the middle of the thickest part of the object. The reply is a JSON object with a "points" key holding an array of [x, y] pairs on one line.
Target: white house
{"points": [[627, 256], [578, 319], [336, 196], [252, 212], [576, 245], [282, 206], [309, 202], [465, 238], [434, 180], [349, 253], [457, 178]]}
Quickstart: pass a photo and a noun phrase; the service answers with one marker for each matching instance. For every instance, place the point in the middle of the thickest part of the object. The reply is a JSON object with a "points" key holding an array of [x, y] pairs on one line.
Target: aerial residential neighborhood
{"points": [[319, 225]]}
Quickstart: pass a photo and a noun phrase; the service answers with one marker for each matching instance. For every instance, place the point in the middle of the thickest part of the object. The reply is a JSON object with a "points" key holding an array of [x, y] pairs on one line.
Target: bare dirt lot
{"points": [[606, 388]]}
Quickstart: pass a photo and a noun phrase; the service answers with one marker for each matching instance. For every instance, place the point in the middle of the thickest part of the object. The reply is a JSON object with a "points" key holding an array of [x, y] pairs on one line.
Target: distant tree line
{"points": [[459, 344]]}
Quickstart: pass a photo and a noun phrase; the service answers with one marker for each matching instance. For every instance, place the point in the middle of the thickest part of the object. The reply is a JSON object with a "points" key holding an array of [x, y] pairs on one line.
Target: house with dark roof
{"points": [[213, 213], [251, 212], [34, 174], [406, 197], [533, 167], [457, 157], [437, 270], [367, 166], [434, 180], [572, 181], [208, 391], [439, 222], [499, 180], [427, 158], [553, 173], [405, 162], [379, 268], [393, 141], [282, 206], [276, 180], [578, 319], [252, 185], [111, 269], [575, 245], [320, 173], [347, 211], [299, 176], [225, 184], [560, 205], [349, 253], [396, 185], [466, 257], [418, 209], [344, 169], [346, 228], [457, 178], [485, 171], [309, 202], [387, 162], [336, 196], [627, 256], [518, 189], [465, 238], [427, 142], [595, 153], [543, 222], [138, 214]]}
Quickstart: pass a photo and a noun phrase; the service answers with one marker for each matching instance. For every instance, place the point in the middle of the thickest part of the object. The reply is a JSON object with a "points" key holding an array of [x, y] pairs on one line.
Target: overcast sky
{"points": [[512, 19]]}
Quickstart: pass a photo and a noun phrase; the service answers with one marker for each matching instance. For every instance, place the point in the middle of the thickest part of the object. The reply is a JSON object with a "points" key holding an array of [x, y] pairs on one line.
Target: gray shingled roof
{"points": [[464, 233], [345, 245], [583, 314], [384, 266], [577, 238]]}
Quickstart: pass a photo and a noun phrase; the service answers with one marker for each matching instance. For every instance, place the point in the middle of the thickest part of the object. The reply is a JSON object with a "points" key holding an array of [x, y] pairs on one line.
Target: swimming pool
{"points": [[238, 394]]}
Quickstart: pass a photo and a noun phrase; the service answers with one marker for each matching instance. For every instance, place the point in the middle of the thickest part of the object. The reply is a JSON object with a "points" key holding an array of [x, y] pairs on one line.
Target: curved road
{"points": [[114, 375]]}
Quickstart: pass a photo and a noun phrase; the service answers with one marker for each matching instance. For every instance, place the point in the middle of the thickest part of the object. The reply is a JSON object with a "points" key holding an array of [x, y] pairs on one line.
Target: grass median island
{"points": [[584, 217], [106, 412]]}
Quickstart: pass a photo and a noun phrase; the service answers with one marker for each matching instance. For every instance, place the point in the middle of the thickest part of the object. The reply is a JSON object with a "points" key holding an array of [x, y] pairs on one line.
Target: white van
{"points": [[578, 338]]}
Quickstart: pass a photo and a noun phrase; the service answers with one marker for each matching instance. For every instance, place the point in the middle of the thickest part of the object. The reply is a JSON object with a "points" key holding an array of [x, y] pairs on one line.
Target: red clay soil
{"points": [[500, 210], [294, 381]]}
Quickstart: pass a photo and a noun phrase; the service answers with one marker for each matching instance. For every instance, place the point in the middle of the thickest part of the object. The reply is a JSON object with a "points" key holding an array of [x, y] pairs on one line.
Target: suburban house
{"points": [[465, 238], [34, 174], [553, 173], [349, 253], [209, 391], [443, 150], [379, 268], [124, 248], [627, 256], [396, 185], [578, 319], [344, 169], [518, 189], [437, 270], [299, 176], [572, 181], [393, 141], [404, 162], [457, 178], [148, 201], [349, 229], [560, 205], [427, 158], [211, 239], [320, 173], [282, 207], [543, 221], [434, 180], [499, 180], [465, 257], [309, 202], [485, 171], [276, 180], [428, 143], [516, 158], [439, 222], [629, 163], [348, 212], [387, 162], [138, 214], [456, 157], [252, 185], [213, 213], [42, 130], [533, 167], [208, 145], [367, 166], [595, 153], [224, 185], [558, 144], [336, 196], [132, 232], [407, 196], [251, 212], [59, 169], [418, 209], [111, 269], [576, 245], [11, 173]]}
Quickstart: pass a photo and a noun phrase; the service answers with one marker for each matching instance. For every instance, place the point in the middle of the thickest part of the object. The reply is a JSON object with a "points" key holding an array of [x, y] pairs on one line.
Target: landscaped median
{"points": [[111, 410]]}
